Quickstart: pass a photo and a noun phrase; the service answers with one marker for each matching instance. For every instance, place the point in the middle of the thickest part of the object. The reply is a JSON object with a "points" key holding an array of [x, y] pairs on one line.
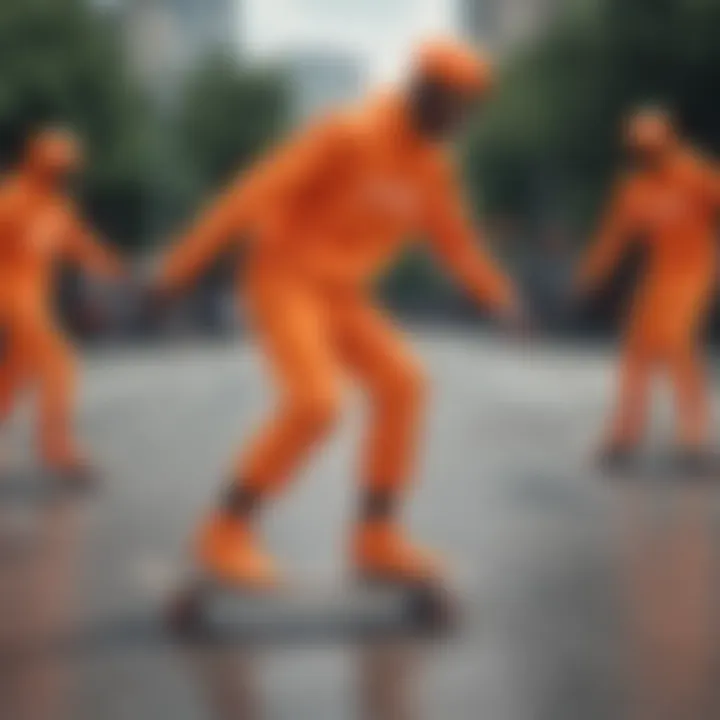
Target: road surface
{"points": [[585, 598]]}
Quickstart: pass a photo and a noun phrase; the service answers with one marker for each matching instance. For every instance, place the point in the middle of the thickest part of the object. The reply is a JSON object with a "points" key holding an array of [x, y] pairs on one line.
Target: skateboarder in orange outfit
{"points": [[39, 227], [670, 202], [323, 215]]}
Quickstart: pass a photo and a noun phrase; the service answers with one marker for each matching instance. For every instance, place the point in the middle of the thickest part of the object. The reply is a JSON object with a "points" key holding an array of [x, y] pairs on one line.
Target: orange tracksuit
{"points": [[674, 211], [38, 228], [325, 214]]}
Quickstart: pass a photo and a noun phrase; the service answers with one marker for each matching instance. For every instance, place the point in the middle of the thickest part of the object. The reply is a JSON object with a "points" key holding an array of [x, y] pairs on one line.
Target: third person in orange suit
{"points": [[668, 202], [323, 215], [39, 228]]}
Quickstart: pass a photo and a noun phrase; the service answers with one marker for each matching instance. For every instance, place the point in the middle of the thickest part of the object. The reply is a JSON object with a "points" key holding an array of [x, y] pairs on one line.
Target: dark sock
{"points": [[377, 505], [240, 502]]}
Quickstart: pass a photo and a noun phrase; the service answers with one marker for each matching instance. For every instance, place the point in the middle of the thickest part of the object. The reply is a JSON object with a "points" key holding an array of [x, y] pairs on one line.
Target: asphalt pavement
{"points": [[585, 597]]}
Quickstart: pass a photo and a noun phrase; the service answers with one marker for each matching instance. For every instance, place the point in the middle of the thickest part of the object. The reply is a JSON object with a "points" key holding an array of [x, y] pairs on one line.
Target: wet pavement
{"points": [[584, 597]]}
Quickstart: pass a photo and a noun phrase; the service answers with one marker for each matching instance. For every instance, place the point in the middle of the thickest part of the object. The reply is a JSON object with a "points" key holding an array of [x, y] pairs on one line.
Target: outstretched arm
{"points": [[207, 238], [607, 250], [11, 217], [83, 248], [284, 176], [456, 243]]}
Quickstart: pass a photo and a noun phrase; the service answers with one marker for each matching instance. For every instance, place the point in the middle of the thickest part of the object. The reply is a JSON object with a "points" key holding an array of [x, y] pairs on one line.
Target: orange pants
{"points": [[36, 354], [662, 335], [312, 336]]}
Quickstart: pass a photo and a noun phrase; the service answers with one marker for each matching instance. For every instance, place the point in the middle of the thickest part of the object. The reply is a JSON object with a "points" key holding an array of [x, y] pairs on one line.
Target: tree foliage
{"points": [[228, 116], [60, 62], [549, 141], [63, 61]]}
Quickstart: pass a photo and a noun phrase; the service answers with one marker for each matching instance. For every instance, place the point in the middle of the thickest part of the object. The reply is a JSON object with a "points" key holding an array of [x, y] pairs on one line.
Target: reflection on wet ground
{"points": [[631, 635], [40, 551], [387, 680], [666, 580]]}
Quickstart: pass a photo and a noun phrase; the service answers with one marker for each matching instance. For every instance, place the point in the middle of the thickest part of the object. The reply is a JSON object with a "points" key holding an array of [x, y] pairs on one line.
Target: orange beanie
{"points": [[453, 63]]}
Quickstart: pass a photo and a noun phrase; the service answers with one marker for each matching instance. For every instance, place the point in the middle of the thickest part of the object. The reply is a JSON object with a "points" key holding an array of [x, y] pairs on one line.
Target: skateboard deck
{"points": [[41, 486], [663, 466], [204, 605]]}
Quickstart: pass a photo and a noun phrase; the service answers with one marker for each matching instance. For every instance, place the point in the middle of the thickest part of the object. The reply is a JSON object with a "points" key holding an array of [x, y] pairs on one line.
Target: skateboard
{"points": [[357, 606], [44, 486], [663, 466]]}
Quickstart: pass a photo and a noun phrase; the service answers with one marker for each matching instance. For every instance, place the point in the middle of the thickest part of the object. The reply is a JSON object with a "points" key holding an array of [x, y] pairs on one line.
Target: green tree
{"points": [[228, 116], [549, 141], [60, 61]]}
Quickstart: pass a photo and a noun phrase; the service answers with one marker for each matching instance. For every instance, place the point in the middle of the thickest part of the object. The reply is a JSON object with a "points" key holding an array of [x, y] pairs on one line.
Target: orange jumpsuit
{"points": [[39, 228], [325, 214], [673, 210]]}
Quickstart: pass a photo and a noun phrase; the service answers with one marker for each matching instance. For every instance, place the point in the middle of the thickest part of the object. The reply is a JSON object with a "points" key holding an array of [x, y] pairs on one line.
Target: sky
{"points": [[380, 32]]}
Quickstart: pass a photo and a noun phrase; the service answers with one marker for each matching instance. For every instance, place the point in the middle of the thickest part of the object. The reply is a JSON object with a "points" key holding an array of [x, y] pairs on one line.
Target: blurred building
{"points": [[502, 24], [322, 80], [166, 38]]}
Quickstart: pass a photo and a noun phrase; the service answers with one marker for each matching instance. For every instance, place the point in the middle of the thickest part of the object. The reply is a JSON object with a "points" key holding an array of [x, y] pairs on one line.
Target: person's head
{"points": [[448, 81], [650, 137], [53, 155]]}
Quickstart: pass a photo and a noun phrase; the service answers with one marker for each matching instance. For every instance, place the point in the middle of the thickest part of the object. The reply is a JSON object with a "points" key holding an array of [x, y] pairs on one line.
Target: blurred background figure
{"points": [[41, 227], [669, 202]]}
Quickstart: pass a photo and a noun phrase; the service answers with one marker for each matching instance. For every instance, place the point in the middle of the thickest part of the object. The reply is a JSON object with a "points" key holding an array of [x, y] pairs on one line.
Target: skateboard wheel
{"points": [[185, 614], [79, 481], [432, 608]]}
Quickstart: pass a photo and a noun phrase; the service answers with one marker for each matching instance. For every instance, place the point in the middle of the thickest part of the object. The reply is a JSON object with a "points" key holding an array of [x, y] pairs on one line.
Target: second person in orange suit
{"points": [[39, 228], [323, 215], [669, 202]]}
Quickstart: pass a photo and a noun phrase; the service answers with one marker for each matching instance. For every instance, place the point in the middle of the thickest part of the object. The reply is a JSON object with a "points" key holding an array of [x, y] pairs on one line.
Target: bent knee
{"points": [[316, 410]]}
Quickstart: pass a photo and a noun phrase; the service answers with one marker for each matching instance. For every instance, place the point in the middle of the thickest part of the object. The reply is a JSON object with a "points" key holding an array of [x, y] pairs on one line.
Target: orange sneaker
{"points": [[228, 551], [381, 552]]}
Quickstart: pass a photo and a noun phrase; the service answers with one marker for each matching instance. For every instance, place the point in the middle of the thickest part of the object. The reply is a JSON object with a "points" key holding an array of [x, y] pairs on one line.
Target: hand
{"points": [[156, 291], [515, 320], [159, 296]]}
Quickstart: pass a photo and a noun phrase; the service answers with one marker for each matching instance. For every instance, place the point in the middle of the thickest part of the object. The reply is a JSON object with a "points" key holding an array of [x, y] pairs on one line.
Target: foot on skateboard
{"points": [[229, 557], [405, 580], [228, 550], [384, 556]]}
